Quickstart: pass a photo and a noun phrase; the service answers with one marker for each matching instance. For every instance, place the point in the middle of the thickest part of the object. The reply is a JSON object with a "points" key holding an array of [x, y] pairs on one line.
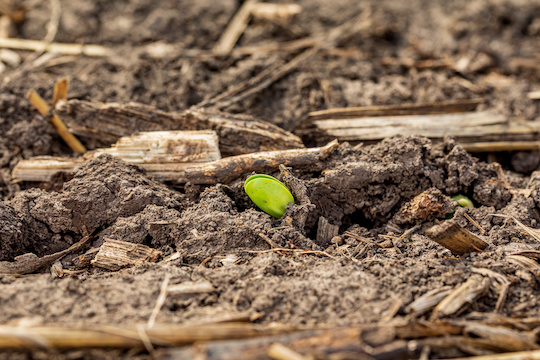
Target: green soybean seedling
{"points": [[269, 194], [464, 201]]}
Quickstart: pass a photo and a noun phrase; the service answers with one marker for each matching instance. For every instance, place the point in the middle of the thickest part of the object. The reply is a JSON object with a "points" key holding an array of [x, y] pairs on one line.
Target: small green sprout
{"points": [[269, 194], [464, 201]]}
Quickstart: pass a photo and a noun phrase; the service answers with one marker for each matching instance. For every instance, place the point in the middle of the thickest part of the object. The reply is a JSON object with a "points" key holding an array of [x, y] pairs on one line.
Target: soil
{"points": [[388, 193]]}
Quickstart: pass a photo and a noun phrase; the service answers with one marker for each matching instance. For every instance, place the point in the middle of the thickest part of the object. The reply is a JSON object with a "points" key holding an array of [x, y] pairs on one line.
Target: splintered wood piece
{"points": [[393, 110], [115, 255], [166, 147], [326, 231], [465, 294], [240, 134], [467, 127], [65, 134], [228, 169], [435, 125], [163, 154], [455, 238], [43, 168], [102, 124]]}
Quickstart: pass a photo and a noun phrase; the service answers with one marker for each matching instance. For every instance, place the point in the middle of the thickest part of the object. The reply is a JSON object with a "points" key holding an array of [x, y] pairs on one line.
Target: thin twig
{"points": [[52, 29], [234, 30], [52, 25], [145, 339], [58, 48], [472, 221], [360, 238], [160, 301], [296, 251], [269, 241], [43, 108], [408, 232]]}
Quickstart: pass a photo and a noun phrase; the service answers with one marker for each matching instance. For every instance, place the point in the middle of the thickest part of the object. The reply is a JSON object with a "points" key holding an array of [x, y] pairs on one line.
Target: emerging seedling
{"points": [[464, 201], [269, 194]]}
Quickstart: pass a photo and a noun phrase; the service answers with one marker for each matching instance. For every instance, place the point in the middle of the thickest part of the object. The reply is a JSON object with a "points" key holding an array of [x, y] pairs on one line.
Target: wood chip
{"points": [[115, 254], [455, 238]]}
